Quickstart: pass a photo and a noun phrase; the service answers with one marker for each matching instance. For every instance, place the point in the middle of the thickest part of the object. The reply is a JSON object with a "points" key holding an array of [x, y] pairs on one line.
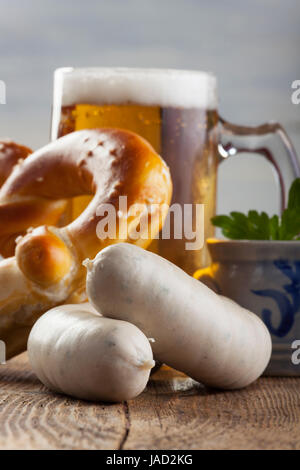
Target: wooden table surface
{"points": [[173, 413]]}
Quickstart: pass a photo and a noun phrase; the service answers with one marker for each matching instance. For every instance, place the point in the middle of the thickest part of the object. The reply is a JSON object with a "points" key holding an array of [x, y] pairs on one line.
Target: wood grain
{"points": [[180, 414], [173, 413], [31, 417]]}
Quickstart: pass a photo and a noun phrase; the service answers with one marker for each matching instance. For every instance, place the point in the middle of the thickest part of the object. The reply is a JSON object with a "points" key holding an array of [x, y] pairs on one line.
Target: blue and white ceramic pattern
{"points": [[264, 277]]}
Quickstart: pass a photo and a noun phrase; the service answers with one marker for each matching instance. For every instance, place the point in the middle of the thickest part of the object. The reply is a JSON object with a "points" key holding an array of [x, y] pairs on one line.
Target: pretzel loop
{"points": [[47, 268]]}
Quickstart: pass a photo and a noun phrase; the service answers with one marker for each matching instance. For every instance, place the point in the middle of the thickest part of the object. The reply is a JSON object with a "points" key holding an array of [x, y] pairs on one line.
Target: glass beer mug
{"points": [[177, 112]]}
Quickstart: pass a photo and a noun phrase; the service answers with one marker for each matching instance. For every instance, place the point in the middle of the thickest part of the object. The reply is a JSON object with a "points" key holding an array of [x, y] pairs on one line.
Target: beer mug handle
{"points": [[269, 140], [206, 276]]}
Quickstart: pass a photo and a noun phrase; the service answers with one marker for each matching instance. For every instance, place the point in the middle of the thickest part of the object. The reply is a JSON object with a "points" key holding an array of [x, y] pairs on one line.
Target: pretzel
{"points": [[47, 267], [11, 154]]}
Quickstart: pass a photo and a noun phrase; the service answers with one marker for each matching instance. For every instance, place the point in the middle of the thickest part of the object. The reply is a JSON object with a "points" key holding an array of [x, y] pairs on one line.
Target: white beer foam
{"points": [[174, 88]]}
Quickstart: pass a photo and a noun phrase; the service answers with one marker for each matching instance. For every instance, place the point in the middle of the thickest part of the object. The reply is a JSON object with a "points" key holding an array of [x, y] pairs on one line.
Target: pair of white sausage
{"points": [[209, 337]]}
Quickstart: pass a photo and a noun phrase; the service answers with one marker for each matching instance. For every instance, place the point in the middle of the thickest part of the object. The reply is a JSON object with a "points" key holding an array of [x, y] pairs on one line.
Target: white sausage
{"points": [[210, 338], [75, 351]]}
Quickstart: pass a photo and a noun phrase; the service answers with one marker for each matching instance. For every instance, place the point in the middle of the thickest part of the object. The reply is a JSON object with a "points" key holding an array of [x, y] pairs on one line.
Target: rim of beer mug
{"points": [[147, 86], [224, 250]]}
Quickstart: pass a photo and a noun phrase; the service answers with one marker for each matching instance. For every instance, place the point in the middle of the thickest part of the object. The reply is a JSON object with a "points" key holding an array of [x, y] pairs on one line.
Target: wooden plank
{"points": [[177, 413], [31, 417], [173, 413]]}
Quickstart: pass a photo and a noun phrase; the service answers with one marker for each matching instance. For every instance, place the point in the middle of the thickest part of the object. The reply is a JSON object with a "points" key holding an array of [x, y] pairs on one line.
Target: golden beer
{"points": [[185, 136]]}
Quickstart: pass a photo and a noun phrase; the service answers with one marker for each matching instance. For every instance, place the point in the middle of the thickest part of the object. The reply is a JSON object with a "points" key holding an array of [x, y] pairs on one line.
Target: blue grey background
{"points": [[252, 46]]}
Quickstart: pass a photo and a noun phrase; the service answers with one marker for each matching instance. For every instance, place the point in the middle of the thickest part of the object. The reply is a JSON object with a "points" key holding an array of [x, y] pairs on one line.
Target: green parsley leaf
{"points": [[259, 226], [294, 195]]}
